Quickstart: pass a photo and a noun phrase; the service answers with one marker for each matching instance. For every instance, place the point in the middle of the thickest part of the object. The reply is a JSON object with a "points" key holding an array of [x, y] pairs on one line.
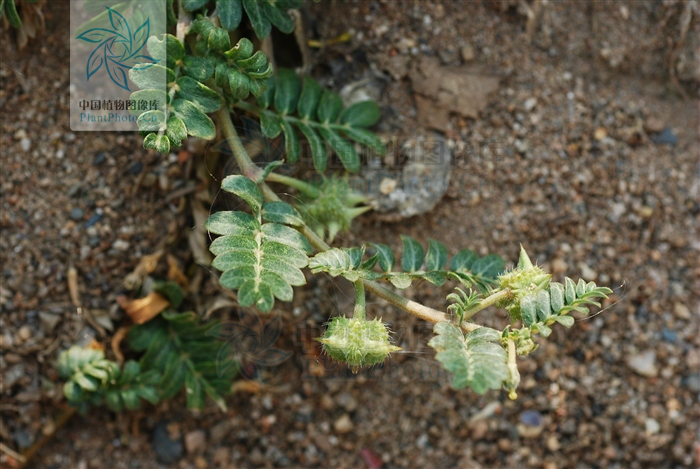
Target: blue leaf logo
{"points": [[117, 49]]}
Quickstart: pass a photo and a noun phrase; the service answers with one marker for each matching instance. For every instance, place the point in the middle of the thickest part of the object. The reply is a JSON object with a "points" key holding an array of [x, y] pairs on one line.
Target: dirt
{"points": [[562, 159]]}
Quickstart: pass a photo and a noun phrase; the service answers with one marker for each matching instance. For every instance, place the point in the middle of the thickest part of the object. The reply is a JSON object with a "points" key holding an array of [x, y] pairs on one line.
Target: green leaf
{"points": [[528, 310], [230, 13], [463, 260], [277, 17], [268, 96], [566, 321], [261, 25], [151, 76], [242, 50], [366, 138], [542, 305], [291, 142], [361, 114], [131, 371], [199, 68], [401, 280], [175, 130], [386, 256], [171, 291], [192, 5], [570, 290], [148, 393], [329, 107], [287, 89], [244, 188], [286, 235], [218, 40], [556, 296], [193, 391], [334, 261], [159, 143], [488, 266], [12, 16], [477, 360], [239, 83], [436, 258], [309, 99], [72, 391], [197, 122], [412, 256], [281, 212], [86, 382], [114, 400], [270, 124], [232, 223], [318, 150], [204, 97], [130, 399], [344, 149]]}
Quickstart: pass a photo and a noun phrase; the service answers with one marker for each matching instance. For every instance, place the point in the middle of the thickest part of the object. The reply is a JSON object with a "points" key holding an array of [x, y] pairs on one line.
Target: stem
{"points": [[301, 186], [486, 302], [513, 369], [223, 118], [359, 300]]}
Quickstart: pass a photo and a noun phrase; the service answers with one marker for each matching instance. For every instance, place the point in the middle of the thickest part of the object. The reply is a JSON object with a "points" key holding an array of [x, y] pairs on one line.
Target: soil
{"points": [[587, 154]]}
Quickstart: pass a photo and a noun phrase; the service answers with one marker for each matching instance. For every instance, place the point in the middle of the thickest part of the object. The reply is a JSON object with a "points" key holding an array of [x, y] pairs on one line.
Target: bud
{"points": [[357, 341], [522, 281]]}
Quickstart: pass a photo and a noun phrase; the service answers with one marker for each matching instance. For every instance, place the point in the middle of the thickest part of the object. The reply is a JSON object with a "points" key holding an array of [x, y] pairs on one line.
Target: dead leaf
{"points": [[116, 341], [146, 265], [143, 309], [243, 385], [175, 273], [73, 286], [197, 237]]}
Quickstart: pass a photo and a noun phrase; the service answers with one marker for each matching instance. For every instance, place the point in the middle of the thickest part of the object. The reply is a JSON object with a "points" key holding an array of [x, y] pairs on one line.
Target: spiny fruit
{"points": [[357, 341], [522, 281]]}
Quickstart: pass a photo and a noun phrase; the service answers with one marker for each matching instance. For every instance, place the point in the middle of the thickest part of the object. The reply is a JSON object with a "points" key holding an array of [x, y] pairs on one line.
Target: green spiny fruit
{"points": [[334, 209], [522, 281], [357, 341]]}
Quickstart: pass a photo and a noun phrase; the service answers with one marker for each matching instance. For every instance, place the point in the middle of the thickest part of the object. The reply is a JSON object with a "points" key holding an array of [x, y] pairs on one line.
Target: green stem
{"points": [[301, 186], [486, 302], [251, 171], [359, 300]]}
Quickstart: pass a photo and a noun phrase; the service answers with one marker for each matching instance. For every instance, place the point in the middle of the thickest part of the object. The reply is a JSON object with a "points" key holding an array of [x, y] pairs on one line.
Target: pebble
{"points": [[135, 168], [553, 443], [48, 321], [651, 426], [669, 335], [653, 125], [167, 450], [467, 53], [559, 266], [12, 375], [587, 273], [25, 333], [221, 456], [343, 424], [25, 144], [530, 104], [347, 401], [666, 137], [120, 245], [77, 214], [531, 424], [99, 159], [681, 311], [644, 364], [195, 441]]}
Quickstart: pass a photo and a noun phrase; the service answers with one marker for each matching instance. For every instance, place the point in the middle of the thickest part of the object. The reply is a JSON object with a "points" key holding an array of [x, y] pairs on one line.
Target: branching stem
{"points": [[250, 170], [301, 186], [486, 302]]}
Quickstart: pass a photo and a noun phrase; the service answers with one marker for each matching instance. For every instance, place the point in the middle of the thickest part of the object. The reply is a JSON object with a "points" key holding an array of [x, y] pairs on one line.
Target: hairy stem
{"points": [[486, 302], [248, 168], [359, 312], [301, 186]]}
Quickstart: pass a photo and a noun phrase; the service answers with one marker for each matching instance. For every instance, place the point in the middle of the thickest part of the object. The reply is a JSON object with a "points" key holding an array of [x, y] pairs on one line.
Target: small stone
{"points": [[99, 159], [600, 133], [666, 137], [48, 321], [587, 273], [200, 463], [531, 424], [644, 364], [653, 125], [25, 144], [691, 382], [467, 53], [167, 450], [135, 168], [12, 375], [121, 245], [387, 186], [559, 266], [651, 426], [553, 443], [77, 214], [681, 311], [221, 456], [195, 441], [219, 431], [327, 402], [343, 424], [24, 333], [530, 104], [347, 401], [669, 335]]}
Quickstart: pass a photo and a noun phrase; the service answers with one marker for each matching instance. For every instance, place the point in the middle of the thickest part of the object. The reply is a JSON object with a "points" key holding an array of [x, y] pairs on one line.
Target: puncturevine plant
{"points": [[214, 75]]}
